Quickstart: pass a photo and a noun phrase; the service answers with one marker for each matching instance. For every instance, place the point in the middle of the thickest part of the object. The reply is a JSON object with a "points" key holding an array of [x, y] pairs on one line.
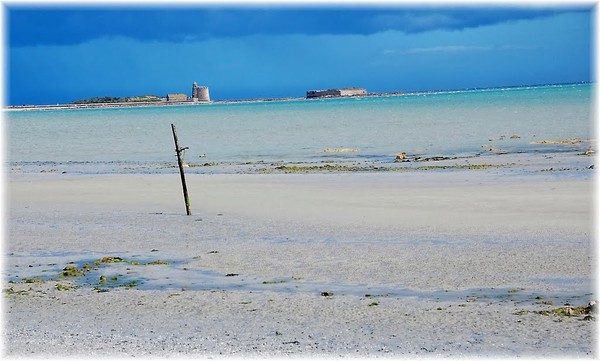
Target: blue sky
{"points": [[58, 54]]}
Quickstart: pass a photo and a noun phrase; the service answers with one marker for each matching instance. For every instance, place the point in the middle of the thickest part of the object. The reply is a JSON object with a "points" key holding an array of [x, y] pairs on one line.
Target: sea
{"points": [[230, 137]]}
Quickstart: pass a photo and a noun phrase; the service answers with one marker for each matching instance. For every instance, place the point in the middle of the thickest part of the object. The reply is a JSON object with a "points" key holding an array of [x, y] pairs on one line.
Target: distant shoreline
{"points": [[255, 100], [175, 103]]}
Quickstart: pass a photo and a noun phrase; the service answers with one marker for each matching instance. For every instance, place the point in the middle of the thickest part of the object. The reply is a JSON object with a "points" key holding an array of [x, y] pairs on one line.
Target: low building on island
{"points": [[177, 97], [330, 93]]}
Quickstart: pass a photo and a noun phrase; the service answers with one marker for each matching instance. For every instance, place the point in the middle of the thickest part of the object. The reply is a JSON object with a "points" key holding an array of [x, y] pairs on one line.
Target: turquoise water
{"points": [[453, 123]]}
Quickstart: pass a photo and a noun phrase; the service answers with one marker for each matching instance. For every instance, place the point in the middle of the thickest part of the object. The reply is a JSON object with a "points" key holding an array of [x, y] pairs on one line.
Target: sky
{"points": [[65, 52]]}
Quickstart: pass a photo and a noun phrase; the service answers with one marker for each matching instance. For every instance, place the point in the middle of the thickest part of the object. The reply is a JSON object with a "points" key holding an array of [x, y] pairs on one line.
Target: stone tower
{"points": [[200, 93]]}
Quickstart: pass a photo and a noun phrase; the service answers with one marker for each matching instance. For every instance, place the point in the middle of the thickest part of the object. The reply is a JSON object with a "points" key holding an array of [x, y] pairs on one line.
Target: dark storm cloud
{"points": [[28, 26]]}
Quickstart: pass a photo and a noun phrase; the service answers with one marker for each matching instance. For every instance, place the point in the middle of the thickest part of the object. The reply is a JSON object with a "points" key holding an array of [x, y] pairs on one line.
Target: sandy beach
{"points": [[427, 263]]}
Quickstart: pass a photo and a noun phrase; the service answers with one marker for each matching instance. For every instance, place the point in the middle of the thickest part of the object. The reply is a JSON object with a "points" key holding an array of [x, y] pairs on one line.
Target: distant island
{"points": [[200, 95], [108, 99]]}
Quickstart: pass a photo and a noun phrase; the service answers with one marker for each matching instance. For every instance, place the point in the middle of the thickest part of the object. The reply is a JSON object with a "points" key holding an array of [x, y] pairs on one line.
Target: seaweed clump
{"points": [[572, 311], [72, 271], [569, 311]]}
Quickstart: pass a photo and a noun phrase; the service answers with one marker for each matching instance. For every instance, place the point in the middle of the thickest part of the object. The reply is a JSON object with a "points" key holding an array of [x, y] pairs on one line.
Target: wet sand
{"points": [[450, 263]]}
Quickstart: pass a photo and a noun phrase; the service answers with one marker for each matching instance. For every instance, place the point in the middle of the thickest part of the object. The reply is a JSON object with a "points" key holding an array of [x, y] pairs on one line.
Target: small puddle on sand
{"points": [[104, 272]]}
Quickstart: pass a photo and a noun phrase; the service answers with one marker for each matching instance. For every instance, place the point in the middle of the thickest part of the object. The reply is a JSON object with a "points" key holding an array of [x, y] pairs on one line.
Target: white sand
{"points": [[449, 257]]}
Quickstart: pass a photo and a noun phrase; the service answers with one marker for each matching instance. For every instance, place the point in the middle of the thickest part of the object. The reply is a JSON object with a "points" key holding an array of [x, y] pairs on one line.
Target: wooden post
{"points": [[180, 163]]}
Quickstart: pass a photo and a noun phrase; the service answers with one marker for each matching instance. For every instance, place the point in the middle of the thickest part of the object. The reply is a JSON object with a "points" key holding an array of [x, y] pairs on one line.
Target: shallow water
{"points": [[460, 123], [140, 272]]}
